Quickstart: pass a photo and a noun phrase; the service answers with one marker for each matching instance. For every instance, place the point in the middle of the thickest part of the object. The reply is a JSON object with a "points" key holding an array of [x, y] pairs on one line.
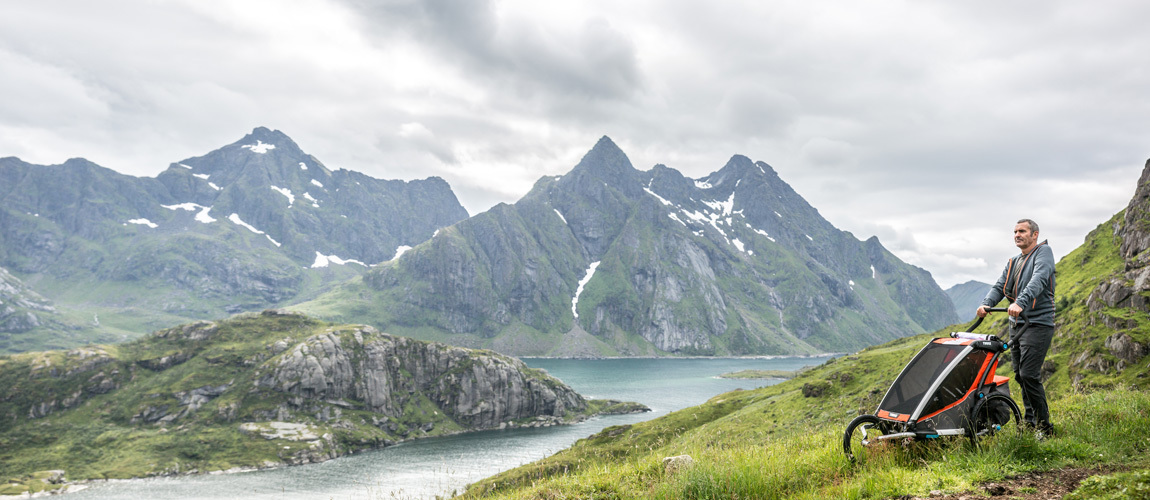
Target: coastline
{"points": [[64, 486], [764, 356]]}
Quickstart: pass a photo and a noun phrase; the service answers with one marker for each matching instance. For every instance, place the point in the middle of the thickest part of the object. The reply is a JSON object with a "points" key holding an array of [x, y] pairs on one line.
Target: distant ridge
{"points": [[253, 224], [966, 297]]}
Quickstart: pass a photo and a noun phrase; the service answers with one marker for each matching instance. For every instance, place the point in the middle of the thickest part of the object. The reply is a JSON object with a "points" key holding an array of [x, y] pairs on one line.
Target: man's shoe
{"points": [[1044, 430]]}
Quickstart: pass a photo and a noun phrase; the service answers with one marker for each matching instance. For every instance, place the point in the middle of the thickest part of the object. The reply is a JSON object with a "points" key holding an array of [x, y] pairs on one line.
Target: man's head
{"points": [[1026, 235]]}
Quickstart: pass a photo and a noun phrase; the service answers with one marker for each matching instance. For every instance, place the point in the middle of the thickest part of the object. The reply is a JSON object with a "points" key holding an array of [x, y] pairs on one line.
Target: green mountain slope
{"points": [[966, 297], [784, 441], [253, 224], [257, 390], [610, 260]]}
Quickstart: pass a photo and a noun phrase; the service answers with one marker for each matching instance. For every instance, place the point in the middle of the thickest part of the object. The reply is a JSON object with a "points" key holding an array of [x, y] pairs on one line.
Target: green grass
{"points": [[743, 449], [760, 374], [1133, 485], [774, 442]]}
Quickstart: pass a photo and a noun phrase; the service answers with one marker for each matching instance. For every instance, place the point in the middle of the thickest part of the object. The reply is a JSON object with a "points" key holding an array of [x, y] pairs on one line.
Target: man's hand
{"points": [[980, 312], [1014, 310]]}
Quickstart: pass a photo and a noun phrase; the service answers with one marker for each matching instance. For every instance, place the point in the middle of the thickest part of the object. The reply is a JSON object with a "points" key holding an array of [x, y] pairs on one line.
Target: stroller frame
{"points": [[948, 389]]}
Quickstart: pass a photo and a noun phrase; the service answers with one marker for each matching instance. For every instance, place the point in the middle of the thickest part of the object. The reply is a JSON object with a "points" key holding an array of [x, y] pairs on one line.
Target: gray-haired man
{"points": [[1028, 282]]}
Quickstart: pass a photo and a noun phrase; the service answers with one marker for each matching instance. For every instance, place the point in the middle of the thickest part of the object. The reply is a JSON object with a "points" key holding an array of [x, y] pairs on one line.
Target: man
{"points": [[1028, 282]]}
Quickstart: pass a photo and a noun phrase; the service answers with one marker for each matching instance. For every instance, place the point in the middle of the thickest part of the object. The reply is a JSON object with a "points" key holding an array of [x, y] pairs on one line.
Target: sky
{"points": [[932, 125]]}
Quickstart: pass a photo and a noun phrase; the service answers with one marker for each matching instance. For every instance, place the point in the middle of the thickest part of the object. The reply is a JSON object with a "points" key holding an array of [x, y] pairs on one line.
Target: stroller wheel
{"points": [[861, 437], [997, 413]]}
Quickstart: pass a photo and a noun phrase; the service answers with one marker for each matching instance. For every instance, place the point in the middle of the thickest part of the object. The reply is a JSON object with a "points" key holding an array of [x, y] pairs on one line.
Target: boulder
{"points": [[1125, 348], [677, 464]]}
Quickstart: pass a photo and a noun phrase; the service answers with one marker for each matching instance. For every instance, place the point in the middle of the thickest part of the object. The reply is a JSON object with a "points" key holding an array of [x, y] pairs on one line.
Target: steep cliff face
{"points": [[653, 262], [384, 373], [253, 224], [258, 390]]}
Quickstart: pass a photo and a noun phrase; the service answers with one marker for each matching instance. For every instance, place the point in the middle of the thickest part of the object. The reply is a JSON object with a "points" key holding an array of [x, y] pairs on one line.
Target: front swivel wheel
{"points": [[861, 437]]}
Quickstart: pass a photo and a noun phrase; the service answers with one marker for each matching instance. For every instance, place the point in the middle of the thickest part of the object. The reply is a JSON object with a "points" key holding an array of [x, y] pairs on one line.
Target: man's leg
{"points": [[1028, 359], [1016, 364]]}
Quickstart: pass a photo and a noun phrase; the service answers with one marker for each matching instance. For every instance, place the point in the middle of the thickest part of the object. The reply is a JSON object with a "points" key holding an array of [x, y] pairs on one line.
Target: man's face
{"points": [[1024, 238]]}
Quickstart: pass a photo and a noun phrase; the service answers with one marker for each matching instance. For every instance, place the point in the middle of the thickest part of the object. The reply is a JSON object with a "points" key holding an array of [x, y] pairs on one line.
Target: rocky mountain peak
{"points": [[648, 262], [1136, 237], [607, 163]]}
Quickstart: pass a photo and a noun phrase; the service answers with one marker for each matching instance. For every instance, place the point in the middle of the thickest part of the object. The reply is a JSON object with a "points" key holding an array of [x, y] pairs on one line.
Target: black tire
{"points": [[859, 438], [996, 413]]}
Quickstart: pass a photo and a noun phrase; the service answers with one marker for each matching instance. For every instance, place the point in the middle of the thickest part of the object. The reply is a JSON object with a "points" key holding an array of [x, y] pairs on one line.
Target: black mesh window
{"points": [[956, 384], [917, 377]]}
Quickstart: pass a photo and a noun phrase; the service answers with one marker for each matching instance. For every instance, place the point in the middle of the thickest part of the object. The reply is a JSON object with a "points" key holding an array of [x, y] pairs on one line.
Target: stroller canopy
{"points": [[937, 379]]}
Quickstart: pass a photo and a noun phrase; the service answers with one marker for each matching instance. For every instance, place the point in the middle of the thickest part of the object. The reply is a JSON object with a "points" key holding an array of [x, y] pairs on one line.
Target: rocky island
{"points": [[259, 390]]}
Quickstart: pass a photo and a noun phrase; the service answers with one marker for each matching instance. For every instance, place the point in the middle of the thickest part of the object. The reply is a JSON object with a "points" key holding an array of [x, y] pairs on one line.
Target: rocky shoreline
{"points": [[56, 482]]}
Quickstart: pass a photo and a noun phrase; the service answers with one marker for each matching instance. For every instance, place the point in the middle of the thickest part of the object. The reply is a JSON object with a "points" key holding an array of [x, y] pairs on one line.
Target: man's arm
{"points": [[994, 295], [1039, 279]]}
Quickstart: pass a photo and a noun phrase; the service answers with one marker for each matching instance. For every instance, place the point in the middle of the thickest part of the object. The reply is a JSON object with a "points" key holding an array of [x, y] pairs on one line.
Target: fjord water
{"points": [[440, 466]]}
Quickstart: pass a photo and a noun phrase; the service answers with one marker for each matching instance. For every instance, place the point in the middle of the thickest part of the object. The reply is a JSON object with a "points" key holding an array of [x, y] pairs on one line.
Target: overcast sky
{"points": [[933, 125]]}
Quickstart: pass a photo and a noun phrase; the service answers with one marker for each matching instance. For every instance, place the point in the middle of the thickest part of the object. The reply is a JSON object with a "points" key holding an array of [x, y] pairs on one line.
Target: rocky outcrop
{"points": [[384, 374], [21, 308], [1125, 348], [1136, 223]]}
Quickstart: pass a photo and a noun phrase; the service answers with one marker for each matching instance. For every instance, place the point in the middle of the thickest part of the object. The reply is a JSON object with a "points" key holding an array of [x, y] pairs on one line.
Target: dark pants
{"points": [[1027, 361]]}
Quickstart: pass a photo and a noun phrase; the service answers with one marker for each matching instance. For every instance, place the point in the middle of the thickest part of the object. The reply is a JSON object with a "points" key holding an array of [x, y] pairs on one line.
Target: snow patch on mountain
{"points": [[144, 222], [259, 147], [202, 176], [322, 260], [560, 214], [660, 198], [287, 193], [303, 166], [202, 216], [317, 183], [400, 250], [579, 289], [722, 206]]}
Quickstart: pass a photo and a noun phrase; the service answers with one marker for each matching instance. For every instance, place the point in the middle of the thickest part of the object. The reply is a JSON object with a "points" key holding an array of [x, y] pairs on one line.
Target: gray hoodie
{"points": [[1028, 280]]}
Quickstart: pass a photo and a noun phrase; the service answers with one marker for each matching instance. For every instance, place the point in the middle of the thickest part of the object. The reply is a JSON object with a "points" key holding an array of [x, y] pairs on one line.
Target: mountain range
{"points": [[605, 260], [250, 225], [609, 260]]}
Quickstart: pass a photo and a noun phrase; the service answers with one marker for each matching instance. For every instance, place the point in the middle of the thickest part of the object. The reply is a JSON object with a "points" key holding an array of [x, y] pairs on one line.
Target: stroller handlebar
{"points": [[1014, 340]]}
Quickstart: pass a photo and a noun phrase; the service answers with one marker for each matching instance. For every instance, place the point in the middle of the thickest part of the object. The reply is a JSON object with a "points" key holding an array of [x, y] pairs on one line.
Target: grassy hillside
{"points": [[785, 441]]}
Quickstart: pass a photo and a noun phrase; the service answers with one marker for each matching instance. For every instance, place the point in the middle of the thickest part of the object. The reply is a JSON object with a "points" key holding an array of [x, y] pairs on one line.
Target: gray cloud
{"points": [[931, 125]]}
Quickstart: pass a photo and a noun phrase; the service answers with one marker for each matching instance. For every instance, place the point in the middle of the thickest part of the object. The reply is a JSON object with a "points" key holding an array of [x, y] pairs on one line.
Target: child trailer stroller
{"points": [[948, 389]]}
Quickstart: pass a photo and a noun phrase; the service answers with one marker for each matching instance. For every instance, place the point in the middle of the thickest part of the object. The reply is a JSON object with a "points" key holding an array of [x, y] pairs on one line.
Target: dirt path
{"points": [[1052, 484]]}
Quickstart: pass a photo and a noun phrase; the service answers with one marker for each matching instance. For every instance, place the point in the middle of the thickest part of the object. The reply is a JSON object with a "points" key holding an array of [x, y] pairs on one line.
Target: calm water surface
{"points": [[439, 466]]}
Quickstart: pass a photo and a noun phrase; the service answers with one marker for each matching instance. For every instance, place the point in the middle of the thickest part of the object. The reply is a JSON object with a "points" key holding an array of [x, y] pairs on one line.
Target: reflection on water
{"points": [[439, 466]]}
